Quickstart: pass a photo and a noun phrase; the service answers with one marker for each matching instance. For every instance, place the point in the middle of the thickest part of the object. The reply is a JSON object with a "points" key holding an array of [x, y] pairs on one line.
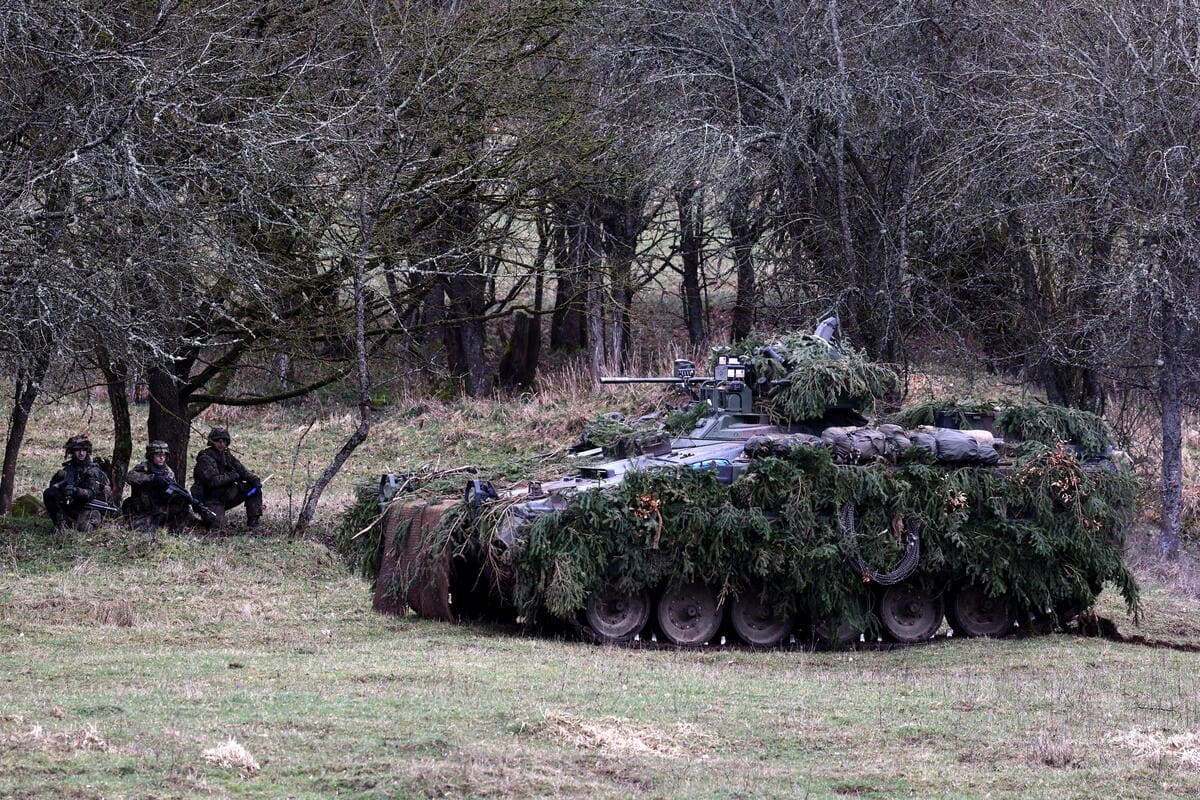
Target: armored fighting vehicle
{"points": [[768, 510]]}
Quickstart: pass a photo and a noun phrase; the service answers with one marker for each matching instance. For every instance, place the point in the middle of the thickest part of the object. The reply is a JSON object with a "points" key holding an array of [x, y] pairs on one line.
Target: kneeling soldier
{"points": [[150, 505], [222, 483], [74, 486]]}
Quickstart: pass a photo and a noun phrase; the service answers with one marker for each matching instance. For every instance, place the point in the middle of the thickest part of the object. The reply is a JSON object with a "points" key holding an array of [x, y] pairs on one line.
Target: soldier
{"points": [[222, 483], [151, 506], [78, 482]]}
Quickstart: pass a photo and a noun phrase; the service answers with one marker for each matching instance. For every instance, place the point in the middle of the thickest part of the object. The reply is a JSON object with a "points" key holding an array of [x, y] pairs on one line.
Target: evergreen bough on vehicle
{"points": [[1045, 532]]}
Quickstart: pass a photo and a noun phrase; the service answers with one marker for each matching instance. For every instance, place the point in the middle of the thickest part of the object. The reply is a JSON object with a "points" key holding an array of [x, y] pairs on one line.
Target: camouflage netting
{"points": [[360, 529], [820, 376], [1044, 531]]}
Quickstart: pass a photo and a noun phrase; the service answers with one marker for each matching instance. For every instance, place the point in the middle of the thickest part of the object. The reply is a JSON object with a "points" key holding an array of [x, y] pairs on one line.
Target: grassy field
{"points": [[128, 662], [234, 666]]}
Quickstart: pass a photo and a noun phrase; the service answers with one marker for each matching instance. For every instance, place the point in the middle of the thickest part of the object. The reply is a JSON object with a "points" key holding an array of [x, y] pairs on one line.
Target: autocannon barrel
{"points": [[621, 380]]}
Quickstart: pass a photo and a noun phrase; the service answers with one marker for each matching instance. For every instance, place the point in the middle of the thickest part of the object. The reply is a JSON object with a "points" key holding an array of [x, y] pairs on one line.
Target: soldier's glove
{"points": [[68, 491], [83, 494], [254, 482], [160, 480]]}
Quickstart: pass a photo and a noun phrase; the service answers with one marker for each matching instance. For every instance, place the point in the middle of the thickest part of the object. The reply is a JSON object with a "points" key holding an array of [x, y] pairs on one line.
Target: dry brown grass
{"points": [[231, 755], [1053, 748], [118, 613], [68, 609], [64, 742], [1180, 577], [1156, 747], [922, 386], [618, 736]]}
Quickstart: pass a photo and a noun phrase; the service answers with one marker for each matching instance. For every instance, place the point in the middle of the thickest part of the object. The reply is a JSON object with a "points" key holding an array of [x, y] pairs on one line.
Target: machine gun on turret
{"points": [[726, 390], [685, 375]]}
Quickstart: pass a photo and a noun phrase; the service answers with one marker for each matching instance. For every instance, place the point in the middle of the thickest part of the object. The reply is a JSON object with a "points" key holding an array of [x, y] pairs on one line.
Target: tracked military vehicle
{"points": [[774, 513]]}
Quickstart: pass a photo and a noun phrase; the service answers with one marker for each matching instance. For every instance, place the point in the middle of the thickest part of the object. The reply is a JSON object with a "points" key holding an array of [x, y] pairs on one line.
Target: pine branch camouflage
{"points": [[1045, 531]]}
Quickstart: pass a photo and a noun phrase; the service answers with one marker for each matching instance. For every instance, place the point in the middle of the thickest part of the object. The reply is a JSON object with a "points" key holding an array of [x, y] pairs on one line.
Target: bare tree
{"points": [[1098, 103]]}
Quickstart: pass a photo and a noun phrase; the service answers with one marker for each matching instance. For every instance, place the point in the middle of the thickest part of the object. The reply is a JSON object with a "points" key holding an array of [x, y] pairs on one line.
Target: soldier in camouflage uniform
{"points": [[222, 483], [151, 506], [74, 485]]}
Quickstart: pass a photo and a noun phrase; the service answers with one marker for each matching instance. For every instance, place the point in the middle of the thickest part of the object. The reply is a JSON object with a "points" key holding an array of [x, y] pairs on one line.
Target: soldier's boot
{"points": [[177, 520], [88, 520], [54, 508], [217, 521], [143, 523], [254, 509]]}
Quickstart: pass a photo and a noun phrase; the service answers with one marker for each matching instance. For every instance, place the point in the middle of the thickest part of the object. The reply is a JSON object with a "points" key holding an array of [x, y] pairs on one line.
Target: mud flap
{"points": [[406, 578]]}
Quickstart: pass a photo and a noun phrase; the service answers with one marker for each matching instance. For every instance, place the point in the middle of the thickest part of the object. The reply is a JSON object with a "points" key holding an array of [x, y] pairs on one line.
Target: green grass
{"points": [[124, 658]]}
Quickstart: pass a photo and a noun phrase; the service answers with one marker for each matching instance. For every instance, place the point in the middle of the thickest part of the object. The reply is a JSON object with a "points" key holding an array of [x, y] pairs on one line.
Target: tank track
{"points": [[1086, 625], [579, 630]]}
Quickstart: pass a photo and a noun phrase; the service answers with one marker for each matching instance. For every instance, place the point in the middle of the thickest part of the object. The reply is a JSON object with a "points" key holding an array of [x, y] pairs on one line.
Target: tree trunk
{"points": [[1170, 398], [27, 387], [589, 256], [623, 222], [690, 238], [518, 366], [169, 420], [467, 339], [313, 496], [743, 235], [568, 331], [1038, 365], [116, 378], [595, 323], [281, 370], [432, 319]]}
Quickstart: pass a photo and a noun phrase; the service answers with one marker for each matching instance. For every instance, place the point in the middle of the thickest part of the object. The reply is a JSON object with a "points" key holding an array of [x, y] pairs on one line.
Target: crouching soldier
{"points": [[75, 486], [151, 505], [222, 483]]}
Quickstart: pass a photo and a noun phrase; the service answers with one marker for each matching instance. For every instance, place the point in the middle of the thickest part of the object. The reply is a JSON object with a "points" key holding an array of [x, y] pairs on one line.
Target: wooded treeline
{"points": [[249, 193]]}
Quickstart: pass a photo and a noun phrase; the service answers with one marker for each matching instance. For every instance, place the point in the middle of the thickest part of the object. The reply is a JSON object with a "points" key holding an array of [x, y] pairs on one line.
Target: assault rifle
{"points": [[93, 504], [207, 516]]}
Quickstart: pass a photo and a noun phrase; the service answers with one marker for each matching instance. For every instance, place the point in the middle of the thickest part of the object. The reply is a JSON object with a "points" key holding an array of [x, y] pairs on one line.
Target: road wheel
{"points": [[909, 613], [689, 615], [613, 616], [970, 612], [755, 623]]}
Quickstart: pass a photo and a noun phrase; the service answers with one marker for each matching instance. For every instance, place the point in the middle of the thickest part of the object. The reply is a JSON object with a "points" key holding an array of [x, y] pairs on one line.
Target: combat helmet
{"points": [[218, 434], [80, 442], [157, 448]]}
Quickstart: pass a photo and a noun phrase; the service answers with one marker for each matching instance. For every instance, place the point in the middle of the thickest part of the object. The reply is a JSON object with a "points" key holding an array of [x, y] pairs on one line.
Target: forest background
{"points": [[245, 203]]}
